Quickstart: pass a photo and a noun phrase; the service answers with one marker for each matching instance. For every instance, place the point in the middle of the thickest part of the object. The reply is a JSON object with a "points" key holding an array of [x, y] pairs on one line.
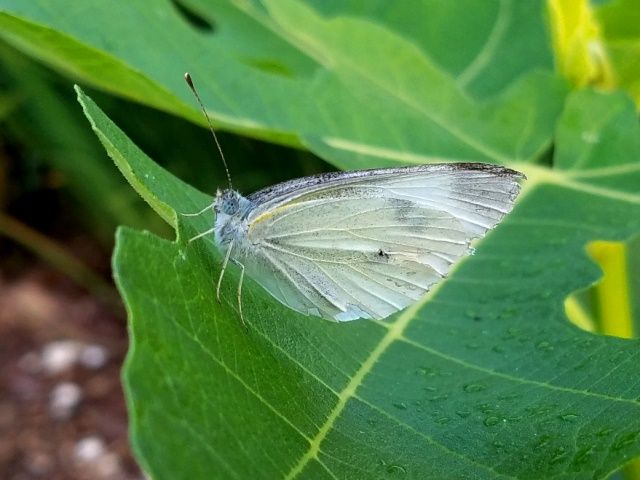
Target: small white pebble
{"points": [[60, 356], [63, 400], [39, 464], [93, 356], [108, 466], [30, 362], [89, 449]]}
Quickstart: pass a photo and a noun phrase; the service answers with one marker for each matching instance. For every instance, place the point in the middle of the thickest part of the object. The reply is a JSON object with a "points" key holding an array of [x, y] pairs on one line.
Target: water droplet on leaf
{"points": [[438, 398], [442, 420], [492, 421], [625, 440], [559, 454], [544, 346], [568, 417], [583, 455], [474, 387], [396, 469]]}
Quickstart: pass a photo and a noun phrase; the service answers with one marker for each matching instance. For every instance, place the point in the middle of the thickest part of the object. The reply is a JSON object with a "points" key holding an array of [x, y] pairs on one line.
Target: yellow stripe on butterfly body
{"points": [[270, 213]]}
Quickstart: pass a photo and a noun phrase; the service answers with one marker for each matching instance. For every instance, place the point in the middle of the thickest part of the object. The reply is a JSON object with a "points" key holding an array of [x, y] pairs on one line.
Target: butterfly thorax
{"points": [[231, 218]]}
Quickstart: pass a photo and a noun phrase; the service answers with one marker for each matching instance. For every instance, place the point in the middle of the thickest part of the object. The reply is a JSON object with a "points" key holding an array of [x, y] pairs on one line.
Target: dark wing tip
{"points": [[489, 167]]}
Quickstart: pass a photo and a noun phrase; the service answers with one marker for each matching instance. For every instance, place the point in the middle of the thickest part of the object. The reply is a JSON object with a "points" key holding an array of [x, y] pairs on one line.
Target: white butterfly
{"points": [[361, 244]]}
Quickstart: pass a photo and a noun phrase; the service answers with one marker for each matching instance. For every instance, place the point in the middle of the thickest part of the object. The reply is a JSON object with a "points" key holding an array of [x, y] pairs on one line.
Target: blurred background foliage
{"points": [[57, 181]]}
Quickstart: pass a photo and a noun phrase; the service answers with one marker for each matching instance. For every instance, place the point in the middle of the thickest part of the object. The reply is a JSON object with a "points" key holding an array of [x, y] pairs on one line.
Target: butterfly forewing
{"points": [[367, 244]]}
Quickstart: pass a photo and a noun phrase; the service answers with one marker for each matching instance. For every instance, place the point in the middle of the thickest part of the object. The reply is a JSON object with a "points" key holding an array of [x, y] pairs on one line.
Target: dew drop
{"points": [[486, 408], [583, 455], [473, 346], [544, 440], [511, 332], [509, 396], [400, 405], [625, 440], [544, 346], [463, 413], [492, 421], [395, 469], [586, 343], [508, 313], [559, 454], [430, 389], [426, 371], [474, 387], [442, 420], [568, 417], [473, 315], [438, 398], [540, 409]]}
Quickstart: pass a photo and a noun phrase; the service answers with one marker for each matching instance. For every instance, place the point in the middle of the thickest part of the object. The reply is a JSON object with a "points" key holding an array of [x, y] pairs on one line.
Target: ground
{"points": [[62, 409]]}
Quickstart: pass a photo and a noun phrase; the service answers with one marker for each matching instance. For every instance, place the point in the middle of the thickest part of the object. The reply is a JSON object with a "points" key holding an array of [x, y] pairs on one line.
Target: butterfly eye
{"points": [[229, 203]]}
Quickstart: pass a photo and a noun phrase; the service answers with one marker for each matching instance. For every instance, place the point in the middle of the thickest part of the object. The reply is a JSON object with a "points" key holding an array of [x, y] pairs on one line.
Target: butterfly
{"points": [[359, 244]]}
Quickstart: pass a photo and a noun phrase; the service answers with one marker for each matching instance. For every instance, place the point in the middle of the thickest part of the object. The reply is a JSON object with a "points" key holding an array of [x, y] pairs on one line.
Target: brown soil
{"points": [[36, 308]]}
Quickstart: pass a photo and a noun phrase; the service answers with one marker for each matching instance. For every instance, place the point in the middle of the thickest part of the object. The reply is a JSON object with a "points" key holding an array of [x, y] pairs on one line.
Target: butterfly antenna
{"points": [[187, 78]]}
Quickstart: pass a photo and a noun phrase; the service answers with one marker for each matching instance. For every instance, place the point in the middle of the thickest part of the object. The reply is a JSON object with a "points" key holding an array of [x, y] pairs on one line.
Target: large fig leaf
{"points": [[482, 378]]}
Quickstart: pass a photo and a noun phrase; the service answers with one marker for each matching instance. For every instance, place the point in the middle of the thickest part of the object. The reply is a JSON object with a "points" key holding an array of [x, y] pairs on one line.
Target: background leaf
{"points": [[620, 20], [305, 82]]}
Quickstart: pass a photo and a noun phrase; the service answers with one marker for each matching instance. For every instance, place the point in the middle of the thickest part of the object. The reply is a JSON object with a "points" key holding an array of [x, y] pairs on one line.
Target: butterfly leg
{"points": [[208, 207], [224, 267], [240, 293], [200, 235]]}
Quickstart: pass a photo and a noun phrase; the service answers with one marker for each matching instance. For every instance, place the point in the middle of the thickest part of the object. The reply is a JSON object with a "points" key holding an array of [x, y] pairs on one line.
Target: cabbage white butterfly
{"points": [[359, 244]]}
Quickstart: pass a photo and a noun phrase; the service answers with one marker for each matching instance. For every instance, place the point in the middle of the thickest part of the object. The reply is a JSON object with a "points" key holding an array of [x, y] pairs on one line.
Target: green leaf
{"points": [[620, 20], [51, 126], [493, 31], [482, 378], [261, 74], [415, 104]]}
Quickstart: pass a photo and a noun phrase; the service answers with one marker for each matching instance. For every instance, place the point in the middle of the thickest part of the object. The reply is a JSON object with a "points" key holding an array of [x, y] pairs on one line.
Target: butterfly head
{"points": [[227, 202]]}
